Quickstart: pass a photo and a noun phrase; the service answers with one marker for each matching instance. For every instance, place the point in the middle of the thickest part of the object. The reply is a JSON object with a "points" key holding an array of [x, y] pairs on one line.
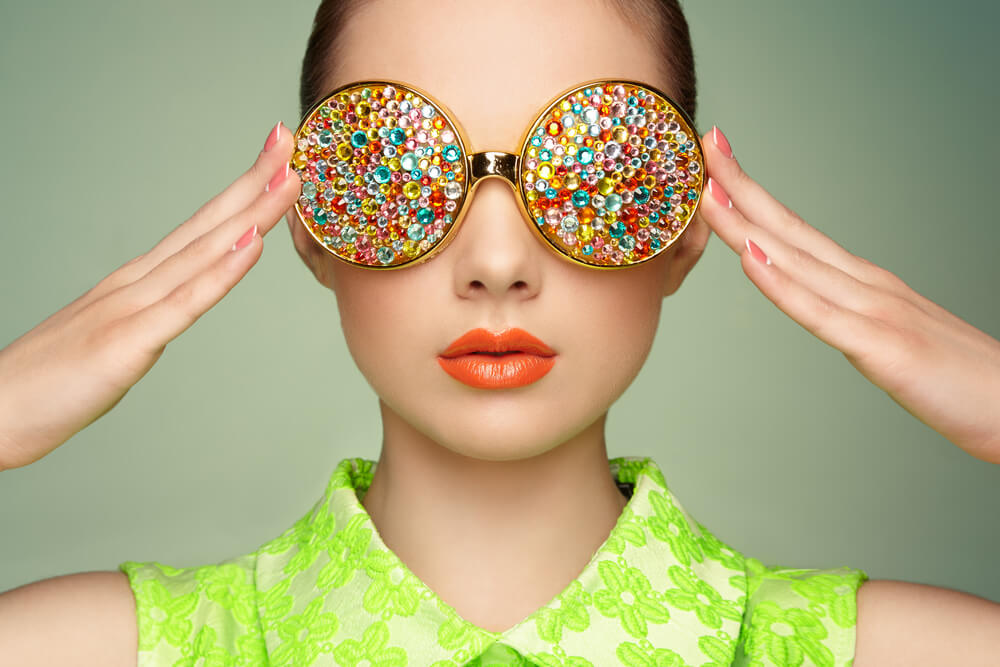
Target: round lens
{"points": [[611, 174], [383, 174]]}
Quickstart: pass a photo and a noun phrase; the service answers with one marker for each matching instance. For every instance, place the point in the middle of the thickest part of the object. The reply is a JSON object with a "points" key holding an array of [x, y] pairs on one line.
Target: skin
{"points": [[467, 476], [504, 469]]}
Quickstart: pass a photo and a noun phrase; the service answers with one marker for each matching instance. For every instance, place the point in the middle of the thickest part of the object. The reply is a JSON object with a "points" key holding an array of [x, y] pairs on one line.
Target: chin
{"points": [[502, 432]]}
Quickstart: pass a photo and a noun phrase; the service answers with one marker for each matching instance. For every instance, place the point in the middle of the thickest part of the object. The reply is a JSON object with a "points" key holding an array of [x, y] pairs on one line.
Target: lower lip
{"points": [[484, 371]]}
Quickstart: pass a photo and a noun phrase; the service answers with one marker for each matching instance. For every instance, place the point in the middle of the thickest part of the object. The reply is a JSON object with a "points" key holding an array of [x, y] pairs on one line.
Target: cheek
{"points": [[374, 309], [615, 321]]}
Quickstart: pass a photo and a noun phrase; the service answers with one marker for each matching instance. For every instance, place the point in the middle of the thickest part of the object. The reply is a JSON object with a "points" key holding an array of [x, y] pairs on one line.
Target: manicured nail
{"points": [[244, 240], [718, 193], [757, 253], [720, 140], [272, 138], [277, 179]]}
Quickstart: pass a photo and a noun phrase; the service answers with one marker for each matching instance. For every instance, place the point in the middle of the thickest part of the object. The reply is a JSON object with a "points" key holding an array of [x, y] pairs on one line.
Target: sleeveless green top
{"points": [[661, 591]]}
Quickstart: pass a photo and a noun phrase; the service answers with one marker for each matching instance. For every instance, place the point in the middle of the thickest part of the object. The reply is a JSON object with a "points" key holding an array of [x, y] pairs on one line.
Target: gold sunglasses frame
{"points": [[500, 164]]}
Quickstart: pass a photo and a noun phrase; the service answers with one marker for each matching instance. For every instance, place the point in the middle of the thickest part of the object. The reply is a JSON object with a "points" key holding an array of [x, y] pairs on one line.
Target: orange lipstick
{"points": [[486, 360]]}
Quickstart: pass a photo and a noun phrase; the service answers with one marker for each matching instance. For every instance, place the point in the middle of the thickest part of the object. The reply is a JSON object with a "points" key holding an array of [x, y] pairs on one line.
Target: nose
{"points": [[495, 254]]}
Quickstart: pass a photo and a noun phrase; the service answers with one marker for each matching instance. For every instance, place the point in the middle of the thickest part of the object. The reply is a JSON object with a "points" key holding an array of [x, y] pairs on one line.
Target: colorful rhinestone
{"points": [[366, 190], [630, 158], [609, 174]]}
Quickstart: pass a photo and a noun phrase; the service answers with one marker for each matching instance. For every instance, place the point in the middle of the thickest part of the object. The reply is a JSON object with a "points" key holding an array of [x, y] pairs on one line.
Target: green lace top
{"points": [[661, 591]]}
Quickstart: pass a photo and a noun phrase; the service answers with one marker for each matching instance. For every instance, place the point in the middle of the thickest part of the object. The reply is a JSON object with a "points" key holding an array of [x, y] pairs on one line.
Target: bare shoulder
{"points": [[76, 619], [905, 623]]}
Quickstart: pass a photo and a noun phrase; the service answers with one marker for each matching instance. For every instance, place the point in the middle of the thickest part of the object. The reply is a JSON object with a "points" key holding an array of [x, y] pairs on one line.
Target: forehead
{"points": [[493, 64]]}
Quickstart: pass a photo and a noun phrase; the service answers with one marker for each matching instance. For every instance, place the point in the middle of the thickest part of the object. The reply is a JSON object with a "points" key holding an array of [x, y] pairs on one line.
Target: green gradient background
{"points": [[874, 121]]}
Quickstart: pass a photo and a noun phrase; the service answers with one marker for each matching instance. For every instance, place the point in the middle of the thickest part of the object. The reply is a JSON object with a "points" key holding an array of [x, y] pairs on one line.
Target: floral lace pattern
{"points": [[661, 591]]}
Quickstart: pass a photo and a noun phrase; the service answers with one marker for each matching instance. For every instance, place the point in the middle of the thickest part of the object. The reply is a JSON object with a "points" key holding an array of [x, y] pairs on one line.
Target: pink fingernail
{"points": [[272, 138], [244, 240], [718, 193], [720, 140], [277, 179], [757, 253]]}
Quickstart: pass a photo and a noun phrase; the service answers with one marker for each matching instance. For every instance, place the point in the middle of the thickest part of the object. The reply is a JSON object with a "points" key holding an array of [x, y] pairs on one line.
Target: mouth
{"points": [[486, 360]]}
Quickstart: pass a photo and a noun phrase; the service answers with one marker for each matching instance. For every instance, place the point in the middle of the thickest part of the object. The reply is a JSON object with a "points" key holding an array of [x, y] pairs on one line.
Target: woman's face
{"points": [[495, 65]]}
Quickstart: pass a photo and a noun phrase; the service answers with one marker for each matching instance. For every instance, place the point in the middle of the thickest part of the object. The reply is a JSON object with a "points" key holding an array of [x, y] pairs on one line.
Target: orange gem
{"points": [[630, 217], [553, 128], [586, 215]]}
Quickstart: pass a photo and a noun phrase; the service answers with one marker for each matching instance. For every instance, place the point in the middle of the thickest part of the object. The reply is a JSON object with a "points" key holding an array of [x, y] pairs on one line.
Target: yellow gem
{"points": [[620, 134], [409, 248], [572, 181], [412, 190], [545, 170], [585, 233], [299, 160], [532, 195], [363, 109], [394, 164], [345, 151], [628, 171], [369, 207], [605, 186]]}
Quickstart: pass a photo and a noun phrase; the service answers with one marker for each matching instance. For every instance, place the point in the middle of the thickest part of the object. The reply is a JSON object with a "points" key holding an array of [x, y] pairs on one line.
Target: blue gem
{"points": [[641, 195], [397, 136], [415, 232], [581, 198], [425, 216], [359, 139], [451, 152], [382, 174], [617, 229]]}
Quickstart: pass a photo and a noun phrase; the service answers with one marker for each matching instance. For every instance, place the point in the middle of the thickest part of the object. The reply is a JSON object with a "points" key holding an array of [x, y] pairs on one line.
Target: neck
{"points": [[494, 539]]}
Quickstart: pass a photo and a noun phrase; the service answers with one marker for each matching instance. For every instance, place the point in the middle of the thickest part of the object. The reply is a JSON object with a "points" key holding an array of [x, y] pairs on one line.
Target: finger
{"points": [[243, 191], [847, 330], [818, 276], [235, 198], [766, 212], [160, 322], [204, 250]]}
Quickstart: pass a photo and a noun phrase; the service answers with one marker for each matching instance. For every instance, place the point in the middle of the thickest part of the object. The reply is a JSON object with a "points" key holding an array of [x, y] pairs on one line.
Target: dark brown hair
{"points": [[660, 21]]}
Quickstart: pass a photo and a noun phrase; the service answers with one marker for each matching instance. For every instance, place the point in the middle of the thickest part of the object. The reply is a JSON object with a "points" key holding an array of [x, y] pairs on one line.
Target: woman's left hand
{"points": [[941, 369]]}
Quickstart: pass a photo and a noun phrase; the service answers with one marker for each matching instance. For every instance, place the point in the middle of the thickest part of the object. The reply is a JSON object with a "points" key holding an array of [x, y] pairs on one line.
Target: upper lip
{"points": [[509, 340]]}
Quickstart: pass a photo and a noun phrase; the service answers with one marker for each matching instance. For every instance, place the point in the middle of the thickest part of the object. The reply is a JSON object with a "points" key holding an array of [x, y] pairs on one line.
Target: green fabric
{"points": [[661, 591]]}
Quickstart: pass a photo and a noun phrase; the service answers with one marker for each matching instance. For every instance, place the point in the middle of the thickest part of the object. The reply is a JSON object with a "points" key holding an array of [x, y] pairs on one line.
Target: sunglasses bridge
{"points": [[493, 163]]}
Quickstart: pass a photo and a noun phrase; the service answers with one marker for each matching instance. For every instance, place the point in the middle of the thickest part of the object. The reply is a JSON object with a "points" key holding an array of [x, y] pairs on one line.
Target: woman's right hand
{"points": [[68, 371]]}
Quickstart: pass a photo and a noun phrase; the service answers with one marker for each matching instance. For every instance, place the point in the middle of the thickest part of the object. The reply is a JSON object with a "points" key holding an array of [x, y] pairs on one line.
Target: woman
{"points": [[496, 500]]}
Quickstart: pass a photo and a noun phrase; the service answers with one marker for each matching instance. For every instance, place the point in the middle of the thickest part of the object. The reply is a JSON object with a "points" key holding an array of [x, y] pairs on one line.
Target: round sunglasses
{"points": [[608, 174]]}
